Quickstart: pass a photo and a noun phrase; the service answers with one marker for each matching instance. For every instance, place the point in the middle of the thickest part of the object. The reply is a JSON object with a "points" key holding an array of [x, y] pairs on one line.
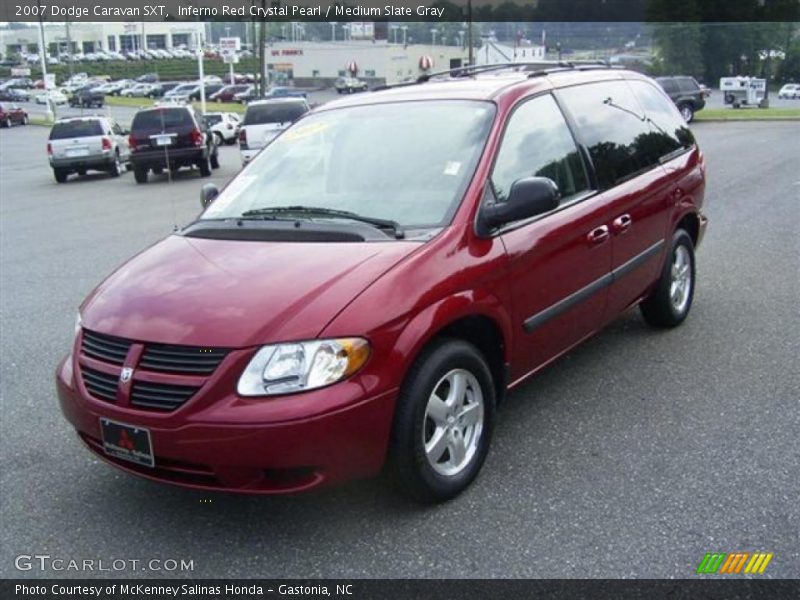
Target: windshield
{"points": [[409, 162]]}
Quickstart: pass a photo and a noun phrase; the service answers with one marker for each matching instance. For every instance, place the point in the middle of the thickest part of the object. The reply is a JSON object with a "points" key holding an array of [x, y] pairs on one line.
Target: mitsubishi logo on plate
{"points": [[126, 375]]}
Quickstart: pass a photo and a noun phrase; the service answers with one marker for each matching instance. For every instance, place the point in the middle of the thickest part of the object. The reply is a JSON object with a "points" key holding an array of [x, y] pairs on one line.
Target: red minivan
{"points": [[367, 290]]}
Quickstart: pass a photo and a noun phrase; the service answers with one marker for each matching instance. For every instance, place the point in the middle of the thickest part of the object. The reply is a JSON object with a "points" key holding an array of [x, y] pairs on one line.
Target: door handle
{"points": [[622, 223], [598, 236]]}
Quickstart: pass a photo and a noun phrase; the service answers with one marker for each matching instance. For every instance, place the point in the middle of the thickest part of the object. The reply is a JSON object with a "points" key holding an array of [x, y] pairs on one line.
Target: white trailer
{"points": [[744, 91]]}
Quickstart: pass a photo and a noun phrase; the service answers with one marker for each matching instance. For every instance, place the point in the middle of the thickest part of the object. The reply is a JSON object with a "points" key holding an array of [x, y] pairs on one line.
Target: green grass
{"points": [[141, 102], [167, 69], [747, 114]]}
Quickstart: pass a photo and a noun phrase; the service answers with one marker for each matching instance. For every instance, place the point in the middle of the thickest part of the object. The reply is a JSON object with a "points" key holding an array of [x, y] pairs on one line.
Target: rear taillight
{"points": [[132, 142], [49, 149], [197, 137], [106, 143], [243, 138]]}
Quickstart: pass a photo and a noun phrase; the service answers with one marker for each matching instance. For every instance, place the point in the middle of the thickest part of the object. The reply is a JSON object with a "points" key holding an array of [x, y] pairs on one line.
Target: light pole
{"points": [[405, 31], [434, 33], [394, 29], [461, 38], [50, 114], [201, 72], [333, 30]]}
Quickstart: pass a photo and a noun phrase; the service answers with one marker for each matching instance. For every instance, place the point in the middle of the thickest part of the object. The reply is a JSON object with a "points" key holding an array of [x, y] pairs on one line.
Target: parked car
{"points": [[246, 96], [686, 93], [77, 145], [228, 93], [326, 314], [159, 89], [350, 85], [210, 88], [224, 126], [182, 92], [181, 131], [139, 90], [148, 78], [790, 91], [54, 96], [87, 97], [284, 92], [264, 120], [11, 114], [13, 95]]}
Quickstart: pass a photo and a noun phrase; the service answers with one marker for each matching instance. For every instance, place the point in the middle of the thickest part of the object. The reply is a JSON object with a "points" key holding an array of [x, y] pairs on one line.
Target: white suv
{"points": [[264, 120], [224, 126]]}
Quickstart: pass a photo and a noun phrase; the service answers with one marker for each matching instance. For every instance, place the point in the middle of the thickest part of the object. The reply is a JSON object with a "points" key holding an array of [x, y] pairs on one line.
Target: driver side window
{"points": [[538, 143]]}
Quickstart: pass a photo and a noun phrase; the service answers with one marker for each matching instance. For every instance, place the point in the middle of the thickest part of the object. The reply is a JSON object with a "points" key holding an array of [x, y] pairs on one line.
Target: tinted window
{"points": [[165, 117], [537, 142], [212, 119], [669, 85], [73, 129], [274, 113], [611, 124], [670, 132], [687, 84]]}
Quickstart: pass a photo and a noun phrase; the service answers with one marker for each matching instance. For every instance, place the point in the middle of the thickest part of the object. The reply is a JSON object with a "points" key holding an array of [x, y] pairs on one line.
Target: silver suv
{"points": [[79, 144]]}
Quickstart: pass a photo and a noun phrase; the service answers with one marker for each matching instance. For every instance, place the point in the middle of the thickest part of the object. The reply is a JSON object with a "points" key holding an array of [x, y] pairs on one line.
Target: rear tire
{"points": [[214, 161], [218, 138], [60, 175], [140, 175], [205, 167], [687, 112], [7, 122], [669, 303], [443, 421]]}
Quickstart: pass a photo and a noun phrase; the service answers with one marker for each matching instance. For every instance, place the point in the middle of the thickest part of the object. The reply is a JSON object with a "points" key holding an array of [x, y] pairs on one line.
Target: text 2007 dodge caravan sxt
{"points": [[372, 284]]}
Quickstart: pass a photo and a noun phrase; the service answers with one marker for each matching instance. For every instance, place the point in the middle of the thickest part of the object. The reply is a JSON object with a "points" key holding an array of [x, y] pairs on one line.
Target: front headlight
{"points": [[301, 366], [78, 323]]}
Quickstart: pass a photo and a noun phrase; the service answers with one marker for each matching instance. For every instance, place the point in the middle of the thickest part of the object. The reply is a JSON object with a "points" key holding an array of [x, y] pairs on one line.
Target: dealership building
{"points": [[376, 61], [107, 37]]}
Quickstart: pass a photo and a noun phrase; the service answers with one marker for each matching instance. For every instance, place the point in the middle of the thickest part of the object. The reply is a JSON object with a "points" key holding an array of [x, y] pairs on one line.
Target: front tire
{"points": [[669, 303], [116, 167], [443, 422]]}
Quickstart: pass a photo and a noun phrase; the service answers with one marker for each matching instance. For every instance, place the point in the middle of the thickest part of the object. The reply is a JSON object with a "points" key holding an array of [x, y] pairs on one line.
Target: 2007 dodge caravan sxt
{"points": [[372, 284]]}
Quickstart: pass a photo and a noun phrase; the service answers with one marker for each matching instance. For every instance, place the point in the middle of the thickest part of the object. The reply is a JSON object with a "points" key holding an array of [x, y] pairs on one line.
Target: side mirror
{"points": [[528, 197], [207, 194]]}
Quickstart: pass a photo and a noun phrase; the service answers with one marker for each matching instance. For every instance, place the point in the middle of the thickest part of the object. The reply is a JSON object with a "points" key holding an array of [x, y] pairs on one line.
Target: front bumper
{"points": [[246, 456]]}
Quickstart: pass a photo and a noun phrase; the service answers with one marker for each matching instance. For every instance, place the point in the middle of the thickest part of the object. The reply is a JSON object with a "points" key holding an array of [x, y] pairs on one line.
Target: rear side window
{"points": [[687, 84], [73, 129], [165, 117], [611, 125], [670, 133], [212, 119], [538, 143], [670, 85], [288, 112]]}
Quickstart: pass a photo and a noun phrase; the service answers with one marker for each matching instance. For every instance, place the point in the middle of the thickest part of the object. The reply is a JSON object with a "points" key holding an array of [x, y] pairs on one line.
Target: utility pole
{"points": [[69, 48], [469, 31], [50, 115], [262, 62]]}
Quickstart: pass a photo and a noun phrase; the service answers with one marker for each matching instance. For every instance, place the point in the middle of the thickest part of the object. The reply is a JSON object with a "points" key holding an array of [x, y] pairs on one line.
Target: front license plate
{"points": [[127, 442]]}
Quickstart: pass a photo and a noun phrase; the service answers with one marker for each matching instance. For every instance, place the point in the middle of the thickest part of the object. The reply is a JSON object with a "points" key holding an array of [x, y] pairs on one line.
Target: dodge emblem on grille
{"points": [[126, 375]]}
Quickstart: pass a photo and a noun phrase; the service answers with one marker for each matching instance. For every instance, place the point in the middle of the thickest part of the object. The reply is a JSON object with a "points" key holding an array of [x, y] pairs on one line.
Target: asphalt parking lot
{"points": [[632, 456]]}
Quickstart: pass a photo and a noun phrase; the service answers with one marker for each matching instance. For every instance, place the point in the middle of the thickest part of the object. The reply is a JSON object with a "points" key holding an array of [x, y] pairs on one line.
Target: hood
{"points": [[206, 292]]}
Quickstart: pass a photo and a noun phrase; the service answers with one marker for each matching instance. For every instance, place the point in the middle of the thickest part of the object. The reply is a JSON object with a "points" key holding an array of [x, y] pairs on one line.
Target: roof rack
{"points": [[534, 69]]}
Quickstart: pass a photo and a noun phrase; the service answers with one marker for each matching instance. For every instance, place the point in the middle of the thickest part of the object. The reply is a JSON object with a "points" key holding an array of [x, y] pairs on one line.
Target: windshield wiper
{"points": [[310, 211]]}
